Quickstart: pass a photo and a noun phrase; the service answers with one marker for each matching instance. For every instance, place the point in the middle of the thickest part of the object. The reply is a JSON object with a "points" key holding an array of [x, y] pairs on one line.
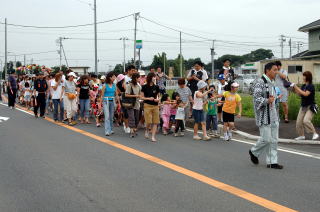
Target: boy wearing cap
{"points": [[197, 112], [232, 101]]}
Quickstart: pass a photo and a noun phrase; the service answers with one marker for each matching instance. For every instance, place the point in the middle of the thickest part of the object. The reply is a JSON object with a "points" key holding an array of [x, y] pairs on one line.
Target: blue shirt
{"points": [[13, 82], [109, 93]]}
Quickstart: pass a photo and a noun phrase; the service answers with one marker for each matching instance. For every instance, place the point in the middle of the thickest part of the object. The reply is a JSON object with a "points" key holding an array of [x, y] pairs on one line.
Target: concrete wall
{"points": [[314, 40]]}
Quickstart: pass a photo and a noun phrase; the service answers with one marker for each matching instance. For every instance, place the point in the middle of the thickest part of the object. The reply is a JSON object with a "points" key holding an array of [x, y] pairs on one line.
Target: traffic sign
{"points": [[138, 44]]}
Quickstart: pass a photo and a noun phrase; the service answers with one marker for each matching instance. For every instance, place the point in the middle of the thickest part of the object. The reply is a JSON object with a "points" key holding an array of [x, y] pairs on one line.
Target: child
{"points": [[197, 110], [232, 100], [165, 113], [174, 107], [98, 111], [180, 117], [27, 95], [212, 116]]}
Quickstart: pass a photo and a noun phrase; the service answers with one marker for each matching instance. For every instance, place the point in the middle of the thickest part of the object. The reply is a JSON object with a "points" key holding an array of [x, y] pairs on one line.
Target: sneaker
{"points": [[230, 135], [253, 158], [196, 137], [127, 130], [275, 166], [176, 135], [226, 137], [182, 134], [107, 134], [206, 138], [146, 134], [315, 136], [112, 132], [300, 138], [98, 125]]}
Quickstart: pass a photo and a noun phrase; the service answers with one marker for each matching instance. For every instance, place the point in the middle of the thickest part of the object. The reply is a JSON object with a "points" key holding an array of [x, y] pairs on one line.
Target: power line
{"points": [[71, 26]]}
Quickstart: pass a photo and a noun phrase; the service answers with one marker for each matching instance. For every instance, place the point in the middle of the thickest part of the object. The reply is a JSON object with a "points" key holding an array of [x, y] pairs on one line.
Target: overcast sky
{"points": [[238, 26]]}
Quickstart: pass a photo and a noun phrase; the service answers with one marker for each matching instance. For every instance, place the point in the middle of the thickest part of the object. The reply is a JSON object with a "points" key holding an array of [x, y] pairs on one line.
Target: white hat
{"points": [[235, 85], [142, 73], [103, 77], [72, 74], [201, 84]]}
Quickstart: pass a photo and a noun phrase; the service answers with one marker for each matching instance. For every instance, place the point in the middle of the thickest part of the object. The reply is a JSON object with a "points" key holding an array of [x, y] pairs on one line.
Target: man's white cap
{"points": [[142, 73], [103, 77]]}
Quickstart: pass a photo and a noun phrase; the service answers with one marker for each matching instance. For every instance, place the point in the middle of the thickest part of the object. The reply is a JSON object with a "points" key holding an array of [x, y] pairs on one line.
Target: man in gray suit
{"points": [[267, 118]]}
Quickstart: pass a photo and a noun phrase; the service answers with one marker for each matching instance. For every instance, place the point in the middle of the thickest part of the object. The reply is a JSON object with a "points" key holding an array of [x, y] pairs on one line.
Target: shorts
{"points": [[227, 117], [198, 116], [27, 98], [284, 97], [220, 109], [125, 112], [151, 114]]}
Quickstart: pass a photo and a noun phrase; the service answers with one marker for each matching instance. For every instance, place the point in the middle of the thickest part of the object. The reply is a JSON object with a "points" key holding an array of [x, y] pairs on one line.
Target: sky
{"points": [[237, 26]]}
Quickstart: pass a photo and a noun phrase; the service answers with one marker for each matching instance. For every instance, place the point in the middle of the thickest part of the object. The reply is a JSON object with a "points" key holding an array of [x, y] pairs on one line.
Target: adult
{"points": [[12, 90], [109, 97], [130, 70], [150, 94], [57, 90], [70, 99], [40, 91], [282, 75], [83, 90], [133, 90], [267, 118], [307, 93], [220, 89], [227, 71], [161, 80], [185, 95], [195, 75]]}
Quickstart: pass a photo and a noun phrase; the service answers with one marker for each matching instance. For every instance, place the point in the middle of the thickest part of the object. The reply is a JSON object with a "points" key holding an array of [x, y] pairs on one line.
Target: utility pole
{"points": [[95, 38], [180, 55], [290, 47], [282, 39], [60, 51], [24, 60], [212, 60], [124, 53], [136, 15], [5, 49]]}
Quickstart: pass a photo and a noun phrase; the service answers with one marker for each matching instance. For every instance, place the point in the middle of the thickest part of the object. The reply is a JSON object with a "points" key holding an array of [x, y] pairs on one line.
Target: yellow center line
{"points": [[202, 178]]}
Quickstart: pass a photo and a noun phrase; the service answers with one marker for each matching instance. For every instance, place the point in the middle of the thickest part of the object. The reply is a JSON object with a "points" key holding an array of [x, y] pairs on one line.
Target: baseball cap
{"points": [[221, 77]]}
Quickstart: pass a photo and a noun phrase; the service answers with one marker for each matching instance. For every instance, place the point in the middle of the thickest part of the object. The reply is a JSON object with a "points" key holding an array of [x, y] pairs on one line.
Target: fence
{"points": [[171, 84]]}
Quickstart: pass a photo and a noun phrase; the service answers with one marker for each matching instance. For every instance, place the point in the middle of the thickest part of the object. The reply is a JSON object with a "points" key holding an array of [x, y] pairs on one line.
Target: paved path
{"points": [[47, 167]]}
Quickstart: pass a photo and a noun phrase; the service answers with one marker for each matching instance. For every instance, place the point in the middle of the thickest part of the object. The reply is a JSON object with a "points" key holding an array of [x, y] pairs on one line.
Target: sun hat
{"points": [[201, 84], [142, 73], [120, 77], [103, 77], [72, 74]]}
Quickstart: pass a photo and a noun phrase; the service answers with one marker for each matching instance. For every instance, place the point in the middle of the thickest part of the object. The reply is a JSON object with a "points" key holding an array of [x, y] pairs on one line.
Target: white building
{"points": [[81, 70]]}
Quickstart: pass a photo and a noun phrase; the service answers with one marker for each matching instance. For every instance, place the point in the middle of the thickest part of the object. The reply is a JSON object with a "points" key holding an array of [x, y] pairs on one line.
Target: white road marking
{"points": [[301, 153], [305, 154]]}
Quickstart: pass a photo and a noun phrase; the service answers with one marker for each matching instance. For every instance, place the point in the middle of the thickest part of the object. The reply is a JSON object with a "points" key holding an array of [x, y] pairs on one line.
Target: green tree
{"points": [[118, 69], [18, 64]]}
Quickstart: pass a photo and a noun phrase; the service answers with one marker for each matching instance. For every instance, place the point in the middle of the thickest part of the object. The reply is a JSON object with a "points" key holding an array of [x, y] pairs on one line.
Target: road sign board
{"points": [[138, 44]]}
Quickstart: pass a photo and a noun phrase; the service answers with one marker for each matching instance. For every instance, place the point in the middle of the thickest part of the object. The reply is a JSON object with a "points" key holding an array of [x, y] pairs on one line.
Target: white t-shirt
{"points": [[56, 94], [127, 79]]}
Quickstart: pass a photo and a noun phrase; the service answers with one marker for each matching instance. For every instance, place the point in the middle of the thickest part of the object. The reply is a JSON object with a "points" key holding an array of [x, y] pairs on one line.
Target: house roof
{"points": [[308, 54], [308, 27]]}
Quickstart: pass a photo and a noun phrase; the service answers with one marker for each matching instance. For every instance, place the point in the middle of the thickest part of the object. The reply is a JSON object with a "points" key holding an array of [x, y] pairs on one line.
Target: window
{"points": [[294, 69]]}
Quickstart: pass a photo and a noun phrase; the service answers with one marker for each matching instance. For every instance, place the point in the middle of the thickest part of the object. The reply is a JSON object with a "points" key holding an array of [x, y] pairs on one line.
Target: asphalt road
{"points": [[46, 167]]}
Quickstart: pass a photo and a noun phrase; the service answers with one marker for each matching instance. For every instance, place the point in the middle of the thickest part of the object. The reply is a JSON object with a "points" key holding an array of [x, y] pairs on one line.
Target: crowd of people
{"points": [[135, 100]]}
